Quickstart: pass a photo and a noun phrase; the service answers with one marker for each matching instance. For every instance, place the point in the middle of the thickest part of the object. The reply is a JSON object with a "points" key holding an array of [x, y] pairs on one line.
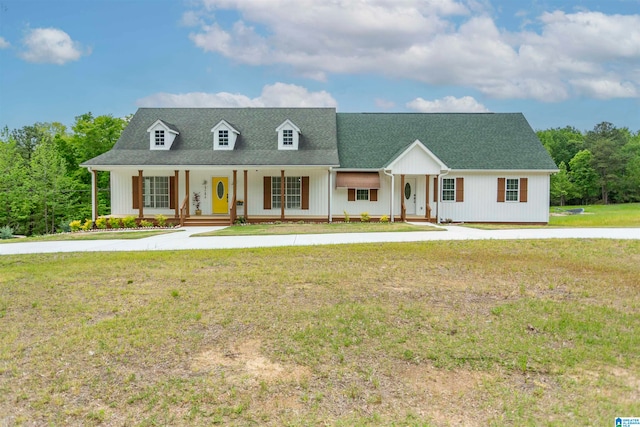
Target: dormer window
{"points": [[224, 136], [162, 135], [288, 136], [159, 138]]}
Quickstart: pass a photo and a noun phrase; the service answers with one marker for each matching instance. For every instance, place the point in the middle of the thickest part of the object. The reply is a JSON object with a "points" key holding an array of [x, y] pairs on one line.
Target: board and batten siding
{"points": [[481, 200], [318, 193], [122, 191]]}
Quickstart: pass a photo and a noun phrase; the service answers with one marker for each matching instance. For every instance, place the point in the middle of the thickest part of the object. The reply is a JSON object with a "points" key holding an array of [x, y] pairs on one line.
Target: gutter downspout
{"points": [[438, 195], [392, 187]]}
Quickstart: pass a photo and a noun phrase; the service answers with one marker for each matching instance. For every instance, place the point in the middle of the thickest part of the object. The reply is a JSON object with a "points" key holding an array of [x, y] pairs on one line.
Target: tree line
{"points": [[598, 166], [43, 188]]}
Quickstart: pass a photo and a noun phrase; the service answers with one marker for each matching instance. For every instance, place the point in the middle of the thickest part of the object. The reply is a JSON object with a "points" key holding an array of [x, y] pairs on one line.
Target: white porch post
{"points": [[329, 216], [94, 195]]}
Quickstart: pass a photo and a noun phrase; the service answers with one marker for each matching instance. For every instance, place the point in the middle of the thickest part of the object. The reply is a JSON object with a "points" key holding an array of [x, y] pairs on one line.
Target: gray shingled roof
{"points": [[257, 143], [485, 141]]}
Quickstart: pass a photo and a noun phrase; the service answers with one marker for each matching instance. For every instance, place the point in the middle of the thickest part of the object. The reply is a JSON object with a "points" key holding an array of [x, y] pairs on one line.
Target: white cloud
{"points": [[384, 104], [50, 45], [448, 104], [453, 42], [3, 43], [276, 95]]}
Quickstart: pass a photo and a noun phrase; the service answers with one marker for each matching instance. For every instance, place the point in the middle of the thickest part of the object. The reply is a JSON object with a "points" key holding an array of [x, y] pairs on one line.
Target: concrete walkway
{"points": [[181, 239]]}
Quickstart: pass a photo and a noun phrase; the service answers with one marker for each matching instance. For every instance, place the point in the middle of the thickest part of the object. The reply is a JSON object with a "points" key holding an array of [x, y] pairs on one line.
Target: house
{"points": [[314, 164]]}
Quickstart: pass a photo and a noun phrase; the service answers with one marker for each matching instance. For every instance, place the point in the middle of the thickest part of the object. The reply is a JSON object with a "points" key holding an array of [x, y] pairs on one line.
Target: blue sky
{"points": [[560, 62]]}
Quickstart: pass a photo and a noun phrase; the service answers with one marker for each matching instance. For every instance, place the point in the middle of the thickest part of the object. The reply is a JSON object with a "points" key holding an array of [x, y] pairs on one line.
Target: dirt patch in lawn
{"points": [[245, 358]]}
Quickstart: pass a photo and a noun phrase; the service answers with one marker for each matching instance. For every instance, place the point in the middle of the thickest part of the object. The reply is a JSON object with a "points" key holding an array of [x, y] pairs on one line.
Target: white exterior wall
{"points": [[122, 191], [318, 192], [481, 194]]}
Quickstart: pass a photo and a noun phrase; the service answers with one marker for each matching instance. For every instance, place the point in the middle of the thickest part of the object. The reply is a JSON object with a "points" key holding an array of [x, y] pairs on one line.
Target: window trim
{"points": [[287, 137], [365, 192], [223, 137], [292, 192], [158, 199], [451, 192], [510, 193], [159, 137]]}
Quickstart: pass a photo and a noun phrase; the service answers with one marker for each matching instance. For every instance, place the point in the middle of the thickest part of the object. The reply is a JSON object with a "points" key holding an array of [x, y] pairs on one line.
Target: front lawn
{"points": [[319, 228]]}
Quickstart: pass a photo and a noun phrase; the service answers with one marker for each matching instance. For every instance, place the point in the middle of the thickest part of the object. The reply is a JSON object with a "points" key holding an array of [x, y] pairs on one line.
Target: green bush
{"points": [[101, 223], [146, 224], [384, 218], [161, 220], [115, 223], [88, 225], [129, 222], [75, 225], [346, 217], [6, 232], [364, 217]]}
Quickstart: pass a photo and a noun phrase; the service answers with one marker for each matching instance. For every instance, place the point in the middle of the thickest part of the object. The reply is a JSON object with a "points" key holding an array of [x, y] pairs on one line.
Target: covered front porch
{"points": [[218, 196]]}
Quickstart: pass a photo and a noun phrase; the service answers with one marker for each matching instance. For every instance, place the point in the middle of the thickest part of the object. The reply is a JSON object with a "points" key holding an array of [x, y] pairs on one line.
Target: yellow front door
{"points": [[220, 190]]}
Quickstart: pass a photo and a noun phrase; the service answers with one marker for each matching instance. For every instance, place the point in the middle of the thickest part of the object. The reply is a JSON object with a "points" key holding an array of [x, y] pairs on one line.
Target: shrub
{"points": [[75, 225], [161, 220], [6, 232], [88, 225], [364, 217], [240, 220], [384, 218], [101, 223], [63, 227], [115, 223], [346, 217], [129, 222], [146, 224]]}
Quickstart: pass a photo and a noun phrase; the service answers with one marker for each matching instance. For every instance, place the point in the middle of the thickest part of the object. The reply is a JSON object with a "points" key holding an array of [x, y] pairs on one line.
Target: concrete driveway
{"points": [[182, 240]]}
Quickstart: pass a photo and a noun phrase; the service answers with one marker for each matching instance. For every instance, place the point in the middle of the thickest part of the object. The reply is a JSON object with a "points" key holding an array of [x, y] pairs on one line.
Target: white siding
{"points": [[481, 194], [318, 192]]}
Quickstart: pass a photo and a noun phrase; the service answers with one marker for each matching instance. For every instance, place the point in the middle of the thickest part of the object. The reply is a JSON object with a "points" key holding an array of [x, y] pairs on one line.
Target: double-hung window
{"points": [[512, 190], [448, 189], [159, 138], [292, 192], [155, 192]]}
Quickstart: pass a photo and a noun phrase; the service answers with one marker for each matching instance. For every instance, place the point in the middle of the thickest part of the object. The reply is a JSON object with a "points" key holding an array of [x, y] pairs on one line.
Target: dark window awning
{"points": [[357, 180]]}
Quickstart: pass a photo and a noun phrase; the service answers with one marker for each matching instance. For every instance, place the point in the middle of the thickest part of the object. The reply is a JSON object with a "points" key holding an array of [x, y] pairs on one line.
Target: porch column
{"points": [[436, 184], [94, 195], [140, 202], [246, 197], [402, 208], [282, 195], [427, 210], [235, 183], [176, 193], [186, 190], [330, 192]]}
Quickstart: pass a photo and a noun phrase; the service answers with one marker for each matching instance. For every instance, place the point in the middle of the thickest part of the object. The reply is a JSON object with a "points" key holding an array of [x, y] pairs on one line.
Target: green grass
{"points": [[623, 215], [92, 235], [489, 333], [320, 228]]}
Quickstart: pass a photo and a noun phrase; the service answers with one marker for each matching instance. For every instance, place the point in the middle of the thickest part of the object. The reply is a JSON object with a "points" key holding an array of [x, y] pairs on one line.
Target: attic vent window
{"points": [[223, 138], [159, 138], [287, 137]]}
